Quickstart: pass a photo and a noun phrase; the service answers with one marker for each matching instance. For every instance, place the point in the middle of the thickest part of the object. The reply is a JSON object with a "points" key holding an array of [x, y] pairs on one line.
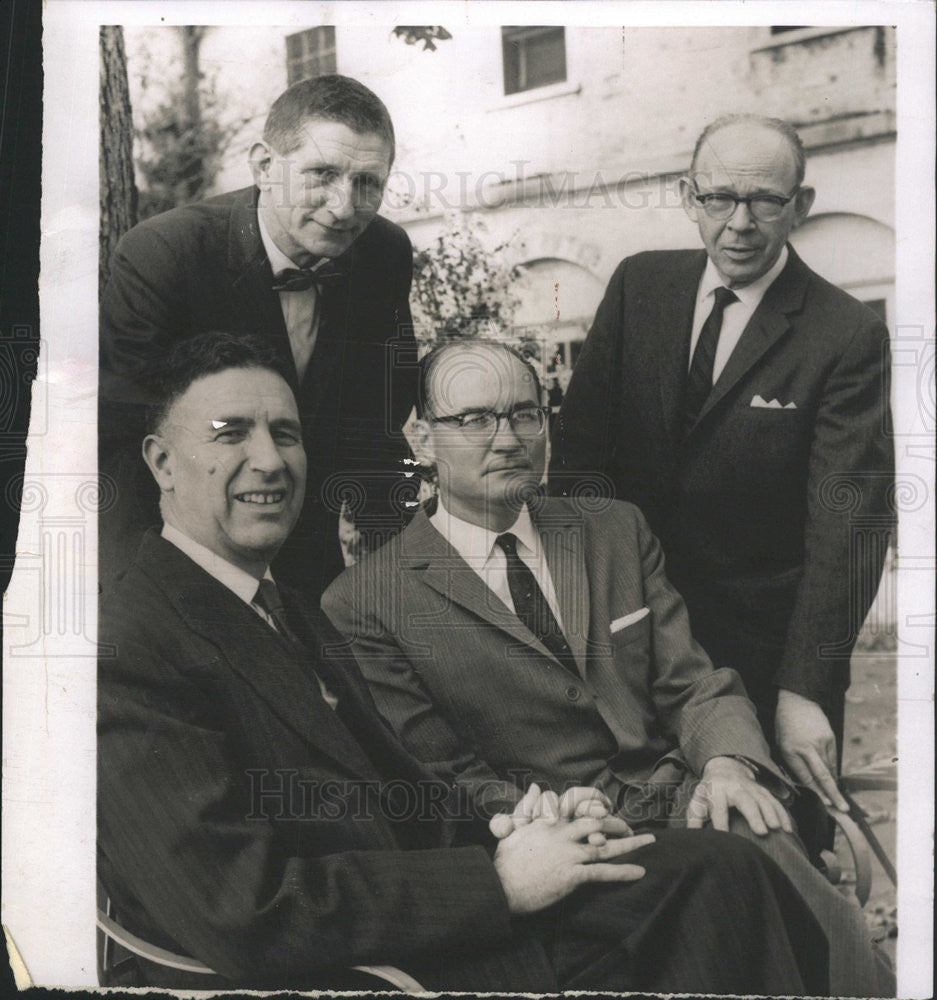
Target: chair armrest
{"points": [[108, 926], [859, 848], [396, 977]]}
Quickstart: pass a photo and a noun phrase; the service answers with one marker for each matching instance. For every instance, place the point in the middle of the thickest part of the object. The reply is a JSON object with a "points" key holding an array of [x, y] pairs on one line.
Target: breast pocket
{"points": [[637, 632]]}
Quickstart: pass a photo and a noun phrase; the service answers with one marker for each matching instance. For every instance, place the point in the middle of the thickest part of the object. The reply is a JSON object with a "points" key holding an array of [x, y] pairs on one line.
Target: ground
{"points": [[871, 723]]}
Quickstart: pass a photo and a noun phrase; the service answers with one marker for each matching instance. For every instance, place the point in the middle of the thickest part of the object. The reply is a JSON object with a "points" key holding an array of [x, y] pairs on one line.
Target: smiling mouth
{"points": [[741, 251], [261, 498]]}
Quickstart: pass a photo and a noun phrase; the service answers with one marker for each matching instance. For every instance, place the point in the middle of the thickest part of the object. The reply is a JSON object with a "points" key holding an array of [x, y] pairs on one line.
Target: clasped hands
{"points": [[550, 845]]}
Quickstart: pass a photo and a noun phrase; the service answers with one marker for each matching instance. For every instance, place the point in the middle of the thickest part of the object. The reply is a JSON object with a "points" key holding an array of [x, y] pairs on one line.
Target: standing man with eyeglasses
{"points": [[742, 402], [302, 259]]}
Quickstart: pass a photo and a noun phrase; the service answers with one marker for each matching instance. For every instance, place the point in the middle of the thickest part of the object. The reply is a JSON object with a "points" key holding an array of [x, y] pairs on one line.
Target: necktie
{"points": [[268, 598], [301, 279], [530, 604], [700, 379]]}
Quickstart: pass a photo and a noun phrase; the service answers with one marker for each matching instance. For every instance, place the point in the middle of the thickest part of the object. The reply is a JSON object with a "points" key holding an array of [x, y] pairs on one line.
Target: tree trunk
{"points": [[118, 192], [194, 180]]}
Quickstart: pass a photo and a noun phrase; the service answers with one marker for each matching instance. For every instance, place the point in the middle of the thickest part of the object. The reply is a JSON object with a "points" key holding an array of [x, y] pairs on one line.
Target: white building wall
{"points": [[596, 157]]}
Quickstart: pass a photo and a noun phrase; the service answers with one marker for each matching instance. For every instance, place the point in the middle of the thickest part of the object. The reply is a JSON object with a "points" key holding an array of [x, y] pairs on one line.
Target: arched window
{"points": [[854, 252]]}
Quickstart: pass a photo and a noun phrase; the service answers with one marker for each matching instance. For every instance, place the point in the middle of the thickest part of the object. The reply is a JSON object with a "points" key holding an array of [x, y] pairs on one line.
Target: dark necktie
{"points": [[699, 382], [530, 604], [268, 598], [301, 279]]}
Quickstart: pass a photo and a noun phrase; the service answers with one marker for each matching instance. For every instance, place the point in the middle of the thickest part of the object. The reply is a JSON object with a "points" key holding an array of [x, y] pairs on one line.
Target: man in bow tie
{"points": [[259, 826], [302, 259], [742, 403]]}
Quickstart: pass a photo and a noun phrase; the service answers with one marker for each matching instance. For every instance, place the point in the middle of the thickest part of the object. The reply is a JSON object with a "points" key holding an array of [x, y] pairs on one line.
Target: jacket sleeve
{"points": [[583, 440], [705, 710], [142, 312], [402, 698], [849, 519], [252, 902]]}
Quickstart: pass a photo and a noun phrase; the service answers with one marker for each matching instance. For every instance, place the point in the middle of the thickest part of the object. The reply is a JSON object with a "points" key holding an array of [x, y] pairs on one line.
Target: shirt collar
{"points": [[751, 295], [235, 579], [278, 259], [475, 543]]}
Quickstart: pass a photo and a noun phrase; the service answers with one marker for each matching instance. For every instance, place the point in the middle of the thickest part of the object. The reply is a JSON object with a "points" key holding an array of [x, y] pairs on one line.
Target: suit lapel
{"points": [[270, 665], [769, 323], [424, 550], [671, 338], [251, 280]]}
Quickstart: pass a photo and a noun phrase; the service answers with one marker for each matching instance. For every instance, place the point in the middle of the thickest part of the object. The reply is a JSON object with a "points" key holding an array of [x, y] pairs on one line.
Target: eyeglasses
{"points": [[764, 207], [525, 421]]}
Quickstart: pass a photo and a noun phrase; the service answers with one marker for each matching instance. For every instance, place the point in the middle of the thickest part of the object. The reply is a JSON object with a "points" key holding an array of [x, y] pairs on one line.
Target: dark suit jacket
{"points": [[203, 267], [774, 521], [473, 693], [202, 708]]}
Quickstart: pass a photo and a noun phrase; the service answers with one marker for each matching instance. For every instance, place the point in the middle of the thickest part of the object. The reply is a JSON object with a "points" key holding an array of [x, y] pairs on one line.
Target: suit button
{"points": [[572, 692]]}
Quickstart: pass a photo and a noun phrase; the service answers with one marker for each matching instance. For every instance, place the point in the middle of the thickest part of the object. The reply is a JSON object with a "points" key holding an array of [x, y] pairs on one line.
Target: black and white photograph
{"points": [[476, 530]]}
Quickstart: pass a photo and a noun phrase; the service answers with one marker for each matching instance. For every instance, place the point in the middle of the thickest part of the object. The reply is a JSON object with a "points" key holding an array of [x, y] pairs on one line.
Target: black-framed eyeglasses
{"points": [[525, 421], [763, 207]]}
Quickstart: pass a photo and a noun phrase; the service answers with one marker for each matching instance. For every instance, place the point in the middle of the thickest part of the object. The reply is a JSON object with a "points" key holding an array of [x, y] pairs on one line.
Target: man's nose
{"points": [[341, 199], [742, 217], [262, 452], [505, 437]]}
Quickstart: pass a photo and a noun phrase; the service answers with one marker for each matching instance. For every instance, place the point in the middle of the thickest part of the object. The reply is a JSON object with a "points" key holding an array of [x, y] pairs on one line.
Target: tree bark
{"points": [[118, 191]]}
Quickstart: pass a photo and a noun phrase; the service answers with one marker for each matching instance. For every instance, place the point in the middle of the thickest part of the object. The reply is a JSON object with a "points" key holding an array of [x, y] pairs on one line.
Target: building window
{"points": [[310, 53], [533, 57]]}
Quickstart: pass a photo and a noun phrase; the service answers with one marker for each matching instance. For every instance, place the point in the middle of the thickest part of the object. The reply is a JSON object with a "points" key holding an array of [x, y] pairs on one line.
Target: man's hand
{"points": [[727, 783], [349, 537], [574, 803], [808, 746], [541, 862]]}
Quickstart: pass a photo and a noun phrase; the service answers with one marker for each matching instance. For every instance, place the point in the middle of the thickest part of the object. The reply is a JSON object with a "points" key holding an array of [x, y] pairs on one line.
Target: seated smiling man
{"points": [[258, 819], [510, 639]]}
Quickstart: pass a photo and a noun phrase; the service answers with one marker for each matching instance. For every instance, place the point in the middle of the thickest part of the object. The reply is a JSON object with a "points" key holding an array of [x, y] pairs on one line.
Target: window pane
{"points": [[533, 57], [310, 53]]}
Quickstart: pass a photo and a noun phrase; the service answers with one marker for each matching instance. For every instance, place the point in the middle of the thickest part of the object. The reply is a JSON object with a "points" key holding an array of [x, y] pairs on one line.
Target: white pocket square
{"points": [[619, 623], [774, 404]]}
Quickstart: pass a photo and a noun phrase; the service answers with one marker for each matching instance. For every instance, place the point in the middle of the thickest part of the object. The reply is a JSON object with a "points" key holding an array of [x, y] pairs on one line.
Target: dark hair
{"points": [[430, 362], [201, 355], [330, 98], [778, 125]]}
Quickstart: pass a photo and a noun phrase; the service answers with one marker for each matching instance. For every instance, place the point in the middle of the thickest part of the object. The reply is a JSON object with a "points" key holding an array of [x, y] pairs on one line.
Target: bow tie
{"points": [[301, 279]]}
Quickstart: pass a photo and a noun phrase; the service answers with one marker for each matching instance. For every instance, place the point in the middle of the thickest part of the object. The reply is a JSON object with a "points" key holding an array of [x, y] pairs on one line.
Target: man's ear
{"points": [[157, 455], [803, 202], [259, 157], [690, 206], [421, 440]]}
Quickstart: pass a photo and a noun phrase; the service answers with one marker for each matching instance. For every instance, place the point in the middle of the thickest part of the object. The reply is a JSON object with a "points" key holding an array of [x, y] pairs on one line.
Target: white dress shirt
{"points": [[239, 582], [300, 309], [476, 545], [736, 315]]}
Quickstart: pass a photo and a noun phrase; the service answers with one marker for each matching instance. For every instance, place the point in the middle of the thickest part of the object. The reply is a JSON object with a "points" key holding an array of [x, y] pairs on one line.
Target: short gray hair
{"points": [[778, 125]]}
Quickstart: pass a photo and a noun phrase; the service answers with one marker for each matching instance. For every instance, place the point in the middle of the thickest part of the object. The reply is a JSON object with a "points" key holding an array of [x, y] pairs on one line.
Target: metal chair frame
{"points": [[112, 931]]}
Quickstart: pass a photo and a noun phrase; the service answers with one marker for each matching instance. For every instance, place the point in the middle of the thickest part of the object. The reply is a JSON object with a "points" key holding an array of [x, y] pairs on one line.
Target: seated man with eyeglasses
{"points": [[511, 639]]}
